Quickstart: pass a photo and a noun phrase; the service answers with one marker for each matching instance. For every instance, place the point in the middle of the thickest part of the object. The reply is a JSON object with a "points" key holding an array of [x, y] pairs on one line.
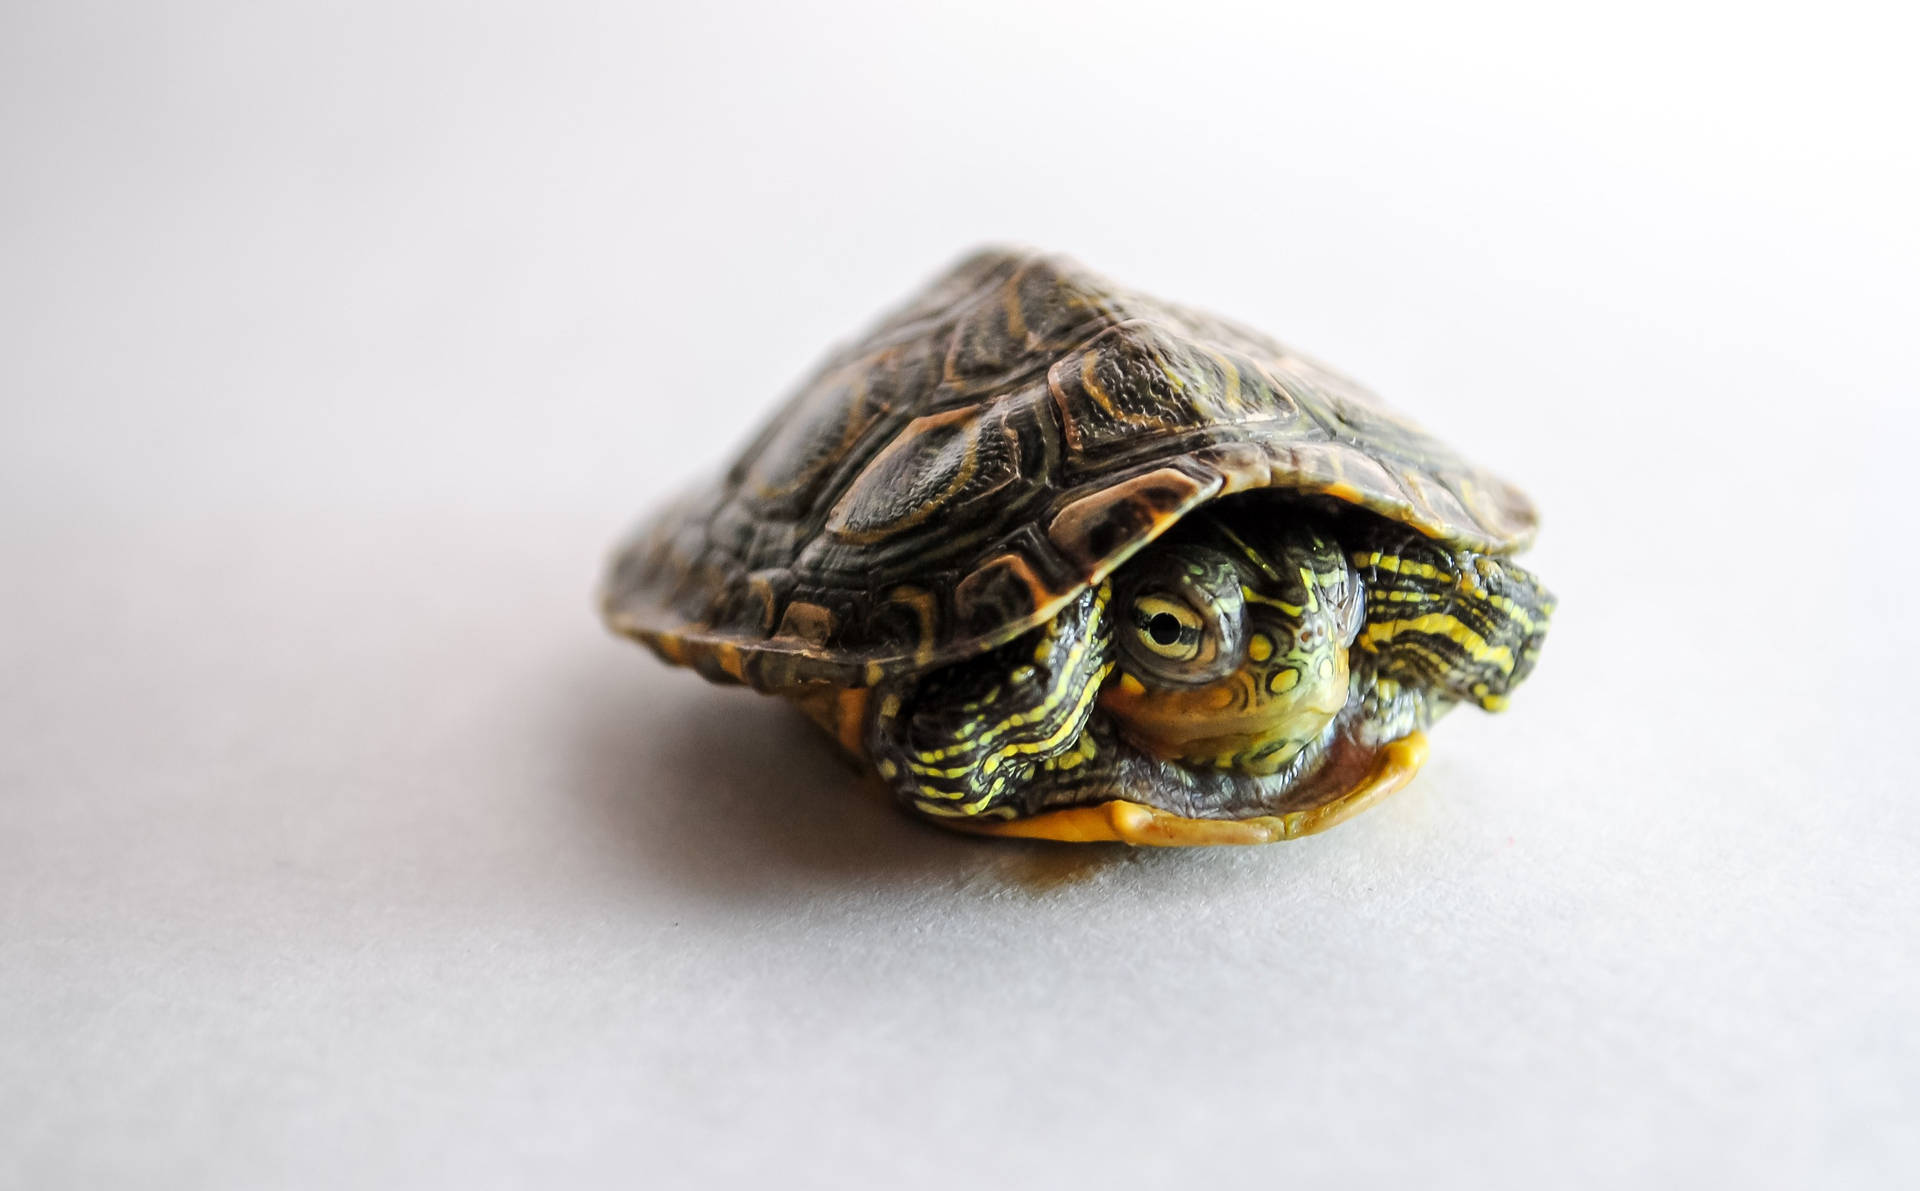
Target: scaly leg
{"points": [[960, 744]]}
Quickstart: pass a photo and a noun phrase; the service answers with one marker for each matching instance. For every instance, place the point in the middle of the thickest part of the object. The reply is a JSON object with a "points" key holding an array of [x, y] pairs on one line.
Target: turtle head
{"points": [[1231, 647]]}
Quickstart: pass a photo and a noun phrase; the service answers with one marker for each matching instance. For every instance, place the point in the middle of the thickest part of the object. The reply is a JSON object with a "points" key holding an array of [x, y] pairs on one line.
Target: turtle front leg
{"points": [[1444, 625], [961, 743]]}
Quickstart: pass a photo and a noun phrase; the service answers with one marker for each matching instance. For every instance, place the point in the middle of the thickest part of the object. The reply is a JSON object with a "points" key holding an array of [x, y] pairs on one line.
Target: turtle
{"points": [[1055, 559]]}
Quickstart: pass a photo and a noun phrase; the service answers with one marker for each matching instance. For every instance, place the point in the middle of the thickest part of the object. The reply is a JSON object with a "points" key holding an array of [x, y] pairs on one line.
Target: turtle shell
{"points": [[1009, 437]]}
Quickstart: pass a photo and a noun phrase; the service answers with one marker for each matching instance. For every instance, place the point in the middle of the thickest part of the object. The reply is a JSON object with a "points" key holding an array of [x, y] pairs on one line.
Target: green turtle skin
{"points": [[975, 477]]}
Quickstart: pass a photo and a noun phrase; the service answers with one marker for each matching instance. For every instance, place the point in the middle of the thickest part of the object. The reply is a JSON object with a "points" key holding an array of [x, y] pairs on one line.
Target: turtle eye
{"points": [[1168, 627], [1179, 619]]}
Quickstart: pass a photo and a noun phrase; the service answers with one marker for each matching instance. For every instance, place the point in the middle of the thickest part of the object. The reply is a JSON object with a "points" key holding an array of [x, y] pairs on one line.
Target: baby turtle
{"points": [[1060, 560]]}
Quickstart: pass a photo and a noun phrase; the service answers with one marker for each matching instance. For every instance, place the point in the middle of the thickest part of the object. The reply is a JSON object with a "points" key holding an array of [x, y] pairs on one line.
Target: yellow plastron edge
{"points": [[1131, 823]]}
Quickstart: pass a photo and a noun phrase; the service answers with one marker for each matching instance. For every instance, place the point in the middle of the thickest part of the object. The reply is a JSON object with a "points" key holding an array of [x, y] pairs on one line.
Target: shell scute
{"points": [[1096, 529], [1139, 383], [1020, 326]]}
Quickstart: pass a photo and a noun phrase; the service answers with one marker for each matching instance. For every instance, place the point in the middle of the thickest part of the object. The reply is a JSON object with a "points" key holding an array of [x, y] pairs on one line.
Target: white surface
{"points": [[339, 847]]}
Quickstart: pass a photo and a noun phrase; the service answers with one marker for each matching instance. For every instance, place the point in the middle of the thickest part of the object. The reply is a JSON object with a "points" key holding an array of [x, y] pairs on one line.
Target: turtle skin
{"points": [[997, 446]]}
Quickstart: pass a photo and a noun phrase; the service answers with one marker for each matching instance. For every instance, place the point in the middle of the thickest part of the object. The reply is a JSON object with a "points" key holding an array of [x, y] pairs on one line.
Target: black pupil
{"points": [[1164, 628]]}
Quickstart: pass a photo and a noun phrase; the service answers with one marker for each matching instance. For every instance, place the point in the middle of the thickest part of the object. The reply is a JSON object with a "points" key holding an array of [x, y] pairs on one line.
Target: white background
{"points": [[339, 846]]}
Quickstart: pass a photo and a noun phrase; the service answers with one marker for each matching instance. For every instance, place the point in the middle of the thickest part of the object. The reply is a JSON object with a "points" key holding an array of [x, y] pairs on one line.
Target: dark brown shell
{"points": [[1011, 436]]}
